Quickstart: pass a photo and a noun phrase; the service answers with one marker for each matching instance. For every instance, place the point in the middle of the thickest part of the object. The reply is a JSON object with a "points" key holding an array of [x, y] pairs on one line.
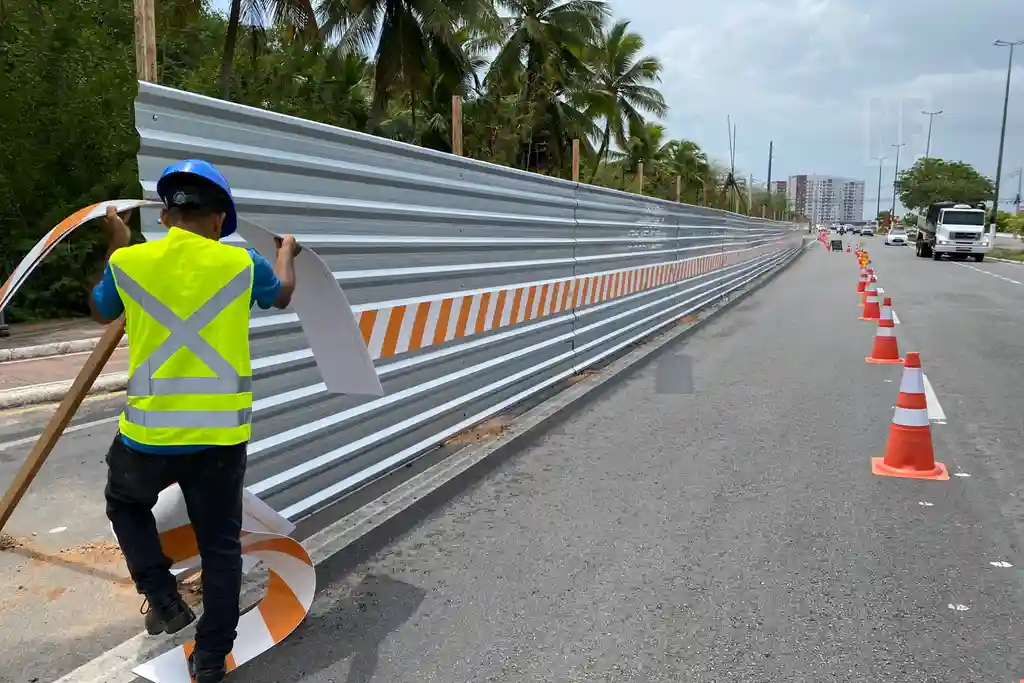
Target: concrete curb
{"points": [[54, 391], [53, 349], [354, 535], [1005, 260]]}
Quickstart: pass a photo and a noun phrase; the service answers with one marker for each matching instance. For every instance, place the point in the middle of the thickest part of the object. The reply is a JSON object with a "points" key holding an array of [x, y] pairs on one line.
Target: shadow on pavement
{"points": [[348, 623]]}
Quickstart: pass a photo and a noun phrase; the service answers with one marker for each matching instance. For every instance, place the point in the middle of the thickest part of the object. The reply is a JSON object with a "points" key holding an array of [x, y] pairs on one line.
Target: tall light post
{"points": [[1016, 201], [878, 192], [1002, 131], [931, 117], [895, 177]]}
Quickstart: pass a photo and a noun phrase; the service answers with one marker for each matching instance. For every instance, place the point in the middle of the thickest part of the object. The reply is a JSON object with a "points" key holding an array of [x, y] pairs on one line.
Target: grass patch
{"points": [[1008, 254]]}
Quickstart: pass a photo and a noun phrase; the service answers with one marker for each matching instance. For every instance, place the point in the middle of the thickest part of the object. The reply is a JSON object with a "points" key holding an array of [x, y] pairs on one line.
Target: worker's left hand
{"points": [[117, 230], [289, 244]]}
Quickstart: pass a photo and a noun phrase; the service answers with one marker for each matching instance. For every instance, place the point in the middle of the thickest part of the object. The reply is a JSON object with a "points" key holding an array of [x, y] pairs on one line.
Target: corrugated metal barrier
{"points": [[476, 286]]}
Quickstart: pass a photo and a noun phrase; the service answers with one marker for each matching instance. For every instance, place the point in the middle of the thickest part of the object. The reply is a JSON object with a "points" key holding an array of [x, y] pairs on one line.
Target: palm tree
{"points": [[294, 14], [409, 35], [545, 33], [540, 58], [687, 161], [622, 85]]}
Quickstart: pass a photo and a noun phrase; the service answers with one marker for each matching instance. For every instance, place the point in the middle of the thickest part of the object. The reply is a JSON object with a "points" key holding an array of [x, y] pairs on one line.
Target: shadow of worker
{"points": [[348, 628]]}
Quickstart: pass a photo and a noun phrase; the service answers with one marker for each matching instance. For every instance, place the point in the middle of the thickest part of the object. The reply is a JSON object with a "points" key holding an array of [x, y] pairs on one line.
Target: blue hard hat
{"points": [[190, 170]]}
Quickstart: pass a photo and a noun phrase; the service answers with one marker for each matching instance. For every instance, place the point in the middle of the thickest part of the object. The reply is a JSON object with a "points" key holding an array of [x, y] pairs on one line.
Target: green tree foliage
{"points": [[936, 180], [532, 74]]}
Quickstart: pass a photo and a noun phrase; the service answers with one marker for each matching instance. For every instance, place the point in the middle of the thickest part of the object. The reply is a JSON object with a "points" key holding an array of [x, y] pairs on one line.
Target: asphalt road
{"points": [[733, 531], [722, 528]]}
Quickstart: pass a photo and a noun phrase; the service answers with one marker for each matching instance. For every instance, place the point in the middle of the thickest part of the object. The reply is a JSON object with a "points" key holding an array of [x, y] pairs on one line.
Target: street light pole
{"points": [[1016, 201], [1002, 131], [931, 116], [895, 177], [878, 192]]}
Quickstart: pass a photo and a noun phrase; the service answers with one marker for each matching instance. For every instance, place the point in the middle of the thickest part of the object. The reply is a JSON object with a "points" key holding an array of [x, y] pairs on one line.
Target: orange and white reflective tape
{"points": [[912, 404], [391, 329], [51, 239], [266, 540]]}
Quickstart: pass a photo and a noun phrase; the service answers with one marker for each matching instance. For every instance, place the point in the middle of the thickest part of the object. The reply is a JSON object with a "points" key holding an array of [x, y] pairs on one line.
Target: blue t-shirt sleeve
{"points": [[104, 295], [265, 284]]}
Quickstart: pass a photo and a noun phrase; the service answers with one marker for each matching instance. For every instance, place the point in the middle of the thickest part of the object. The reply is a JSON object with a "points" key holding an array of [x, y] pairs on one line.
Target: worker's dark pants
{"points": [[211, 481]]}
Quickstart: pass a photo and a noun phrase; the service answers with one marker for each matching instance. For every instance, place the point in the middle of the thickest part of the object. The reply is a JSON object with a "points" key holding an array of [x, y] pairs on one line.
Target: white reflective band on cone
{"points": [[910, 417], [872, 299], [912, 381], [264, 539], [885, 332]]}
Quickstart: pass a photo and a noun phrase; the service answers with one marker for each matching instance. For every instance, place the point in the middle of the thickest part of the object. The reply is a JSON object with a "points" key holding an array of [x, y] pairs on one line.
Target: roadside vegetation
{"points": [[532, 74], [935, 180]]}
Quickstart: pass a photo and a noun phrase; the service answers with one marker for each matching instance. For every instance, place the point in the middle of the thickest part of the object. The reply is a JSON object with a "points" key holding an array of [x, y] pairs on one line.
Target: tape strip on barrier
{"points": [[266, 540], [51, 239]]}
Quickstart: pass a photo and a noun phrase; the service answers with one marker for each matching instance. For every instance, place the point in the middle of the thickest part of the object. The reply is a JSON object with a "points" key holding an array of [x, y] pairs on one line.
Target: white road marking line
{"points": [[958, 607], [935, 412], [895, 318], [1001, 564], [926, 504], [74, 428], [960, 474], [995, 275]]}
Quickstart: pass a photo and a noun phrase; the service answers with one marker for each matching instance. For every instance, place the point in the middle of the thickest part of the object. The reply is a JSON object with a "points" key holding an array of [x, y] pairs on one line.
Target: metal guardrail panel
{"points": [[476, 286]]}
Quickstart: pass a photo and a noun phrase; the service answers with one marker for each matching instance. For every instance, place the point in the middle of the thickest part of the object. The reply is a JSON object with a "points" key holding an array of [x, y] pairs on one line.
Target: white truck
{"points": [[955, 230]]}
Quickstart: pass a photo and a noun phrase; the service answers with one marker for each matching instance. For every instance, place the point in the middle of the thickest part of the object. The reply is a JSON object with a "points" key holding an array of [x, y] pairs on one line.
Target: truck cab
{"points": [[953, 229]]}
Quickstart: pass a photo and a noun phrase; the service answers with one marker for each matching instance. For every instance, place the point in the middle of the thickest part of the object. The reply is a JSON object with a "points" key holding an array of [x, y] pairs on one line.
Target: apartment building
{"points": [[826, 199]]}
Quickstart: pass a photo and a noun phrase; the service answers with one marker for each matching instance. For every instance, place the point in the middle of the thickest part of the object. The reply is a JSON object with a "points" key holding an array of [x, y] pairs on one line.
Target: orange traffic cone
{"points": [[862, 281], [886, 349], [864, 293], [909, 452], [871, 310]]}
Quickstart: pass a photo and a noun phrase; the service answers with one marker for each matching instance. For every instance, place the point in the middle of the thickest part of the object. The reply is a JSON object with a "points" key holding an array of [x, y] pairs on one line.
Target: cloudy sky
{"points": [[834, 83]]}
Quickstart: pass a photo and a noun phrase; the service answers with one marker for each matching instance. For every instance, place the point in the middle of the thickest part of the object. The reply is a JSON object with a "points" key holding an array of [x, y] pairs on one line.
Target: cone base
{"points": [[874, 320], [884, 361], [937, 473]]}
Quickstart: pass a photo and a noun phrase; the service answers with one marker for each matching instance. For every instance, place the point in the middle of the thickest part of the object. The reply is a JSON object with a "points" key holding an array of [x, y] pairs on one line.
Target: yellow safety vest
{"points": [[187, 302]]}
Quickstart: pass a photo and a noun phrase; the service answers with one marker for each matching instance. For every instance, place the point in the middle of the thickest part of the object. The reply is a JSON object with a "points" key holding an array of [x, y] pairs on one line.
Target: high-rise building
{"points": [[826, 199], [779, 187]]}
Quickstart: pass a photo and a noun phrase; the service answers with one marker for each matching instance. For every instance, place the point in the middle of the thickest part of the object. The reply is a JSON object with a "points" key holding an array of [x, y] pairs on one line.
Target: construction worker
{"points": [[187, 300]]}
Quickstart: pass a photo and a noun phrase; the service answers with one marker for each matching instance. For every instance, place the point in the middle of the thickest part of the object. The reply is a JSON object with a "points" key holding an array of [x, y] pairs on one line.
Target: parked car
{"points": [[896, 236]]}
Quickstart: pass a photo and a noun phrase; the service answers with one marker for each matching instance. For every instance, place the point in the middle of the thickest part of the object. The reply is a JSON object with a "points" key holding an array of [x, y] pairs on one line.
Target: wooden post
{"points": [[145, 40], [145, 67], [679, 189], [456, 125], [641, 176], [65, 411], [575, 160]]}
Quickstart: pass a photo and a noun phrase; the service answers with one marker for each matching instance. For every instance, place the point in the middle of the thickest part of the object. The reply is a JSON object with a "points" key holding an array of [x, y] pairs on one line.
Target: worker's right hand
{"points": [[118, 232]]}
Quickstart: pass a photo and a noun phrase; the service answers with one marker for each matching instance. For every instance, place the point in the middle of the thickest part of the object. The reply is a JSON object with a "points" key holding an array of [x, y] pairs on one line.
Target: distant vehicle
{"points": [[957, 230], [896, 236], [867, 231]]}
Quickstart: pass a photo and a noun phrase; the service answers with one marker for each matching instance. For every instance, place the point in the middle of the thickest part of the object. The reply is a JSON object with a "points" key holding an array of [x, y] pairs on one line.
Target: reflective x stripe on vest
{"points": [[184, 333]]}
